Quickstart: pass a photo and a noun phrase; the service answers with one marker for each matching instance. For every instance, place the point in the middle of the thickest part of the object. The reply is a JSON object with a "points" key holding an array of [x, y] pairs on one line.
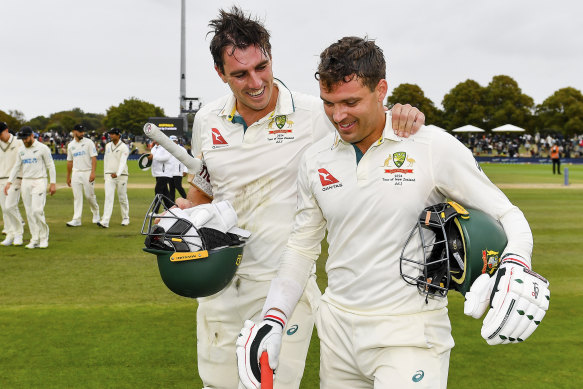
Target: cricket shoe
{"points": [[17, 240], [125, 222], [44, 243], [102, 224], [7, 242], [96, 219], [31, 245], [73, 223]]}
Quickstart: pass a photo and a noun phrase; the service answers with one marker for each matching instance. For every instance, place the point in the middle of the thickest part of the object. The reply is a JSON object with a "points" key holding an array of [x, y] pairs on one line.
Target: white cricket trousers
{"points": [[81, 185], [392, 351], [10, 211], [111, 185], [34, 197], [220, 318]]}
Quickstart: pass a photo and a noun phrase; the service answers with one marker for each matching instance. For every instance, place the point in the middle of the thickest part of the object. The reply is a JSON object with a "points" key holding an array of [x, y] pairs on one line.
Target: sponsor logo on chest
{"points": [[398, 168], [218, 139], [327, 180], [280, 129]]}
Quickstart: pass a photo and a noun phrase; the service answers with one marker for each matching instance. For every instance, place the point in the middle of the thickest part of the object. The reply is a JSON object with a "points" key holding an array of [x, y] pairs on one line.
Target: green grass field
{"points": [[92, 312]]}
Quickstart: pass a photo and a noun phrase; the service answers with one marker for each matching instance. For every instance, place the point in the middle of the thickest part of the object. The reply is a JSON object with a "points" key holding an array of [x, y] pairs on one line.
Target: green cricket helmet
{"points": [[144, 163], [193, 261], [450, 247]]}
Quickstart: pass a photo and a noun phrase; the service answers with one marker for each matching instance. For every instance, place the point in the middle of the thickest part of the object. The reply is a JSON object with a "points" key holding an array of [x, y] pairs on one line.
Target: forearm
{"points": [[14, 171], [122, 163], [196, 197], [93, 164], [288, 286], [69, 169], [519, 235]]}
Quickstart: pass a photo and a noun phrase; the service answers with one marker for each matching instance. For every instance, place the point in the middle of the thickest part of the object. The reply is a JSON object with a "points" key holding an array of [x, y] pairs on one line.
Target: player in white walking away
{"points": [[9, 146], [34, 159], [115, 174], [375, 329], [81, 164], [251, 141]]}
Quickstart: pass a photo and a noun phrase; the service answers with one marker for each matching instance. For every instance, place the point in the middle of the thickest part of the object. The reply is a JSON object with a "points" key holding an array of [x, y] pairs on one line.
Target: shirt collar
{"points": [[284, 106], [388, 134]]}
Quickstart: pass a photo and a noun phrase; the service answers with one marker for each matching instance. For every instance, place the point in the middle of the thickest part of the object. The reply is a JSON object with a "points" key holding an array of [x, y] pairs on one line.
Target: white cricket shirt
{"points": [[369, 209], [256, 169], [81, 152], [9, 156], [34, 160], [161, 162], [115, 158]]}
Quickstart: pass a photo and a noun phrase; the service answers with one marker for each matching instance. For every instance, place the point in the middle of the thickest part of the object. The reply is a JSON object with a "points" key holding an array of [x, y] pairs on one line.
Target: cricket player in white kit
{"points": [[251, 142], [34, 159], [366, 187], [81, 164], [9, 146], [115, 169]]}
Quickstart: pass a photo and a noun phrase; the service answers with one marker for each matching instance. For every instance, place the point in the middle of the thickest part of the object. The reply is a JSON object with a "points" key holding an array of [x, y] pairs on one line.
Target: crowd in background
{"points": [[521, 145], [57, 141], [481, 144]]}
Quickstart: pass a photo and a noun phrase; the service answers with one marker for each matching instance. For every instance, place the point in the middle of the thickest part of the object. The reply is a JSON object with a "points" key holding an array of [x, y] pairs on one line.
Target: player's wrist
{"points": [[274, 315], [515, 259]]}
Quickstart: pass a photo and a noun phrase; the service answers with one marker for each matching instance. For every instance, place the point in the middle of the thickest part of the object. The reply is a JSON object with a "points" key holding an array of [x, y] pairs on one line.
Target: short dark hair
{"points": [[238, 30], [352, 57]]}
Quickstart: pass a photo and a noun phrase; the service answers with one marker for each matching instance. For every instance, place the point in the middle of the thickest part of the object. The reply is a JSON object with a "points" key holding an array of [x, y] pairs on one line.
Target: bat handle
{"points": [[266, 372]]}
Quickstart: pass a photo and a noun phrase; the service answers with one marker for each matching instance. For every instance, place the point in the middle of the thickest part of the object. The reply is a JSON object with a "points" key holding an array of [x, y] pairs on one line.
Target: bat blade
{"points": [[266, 372], [153, 132]]}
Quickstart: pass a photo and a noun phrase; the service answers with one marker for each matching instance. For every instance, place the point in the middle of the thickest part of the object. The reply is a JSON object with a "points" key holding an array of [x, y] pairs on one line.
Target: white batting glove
{"points": [[253, 340], [517, 298]]}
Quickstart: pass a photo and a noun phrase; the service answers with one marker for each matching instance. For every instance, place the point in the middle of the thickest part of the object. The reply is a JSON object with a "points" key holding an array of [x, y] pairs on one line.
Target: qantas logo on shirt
{"points": [[217, 137], [327, 180]]}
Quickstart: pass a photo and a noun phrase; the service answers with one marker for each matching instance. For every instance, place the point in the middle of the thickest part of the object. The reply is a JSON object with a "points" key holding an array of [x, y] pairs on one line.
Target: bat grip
{"points": [[266, 372]]}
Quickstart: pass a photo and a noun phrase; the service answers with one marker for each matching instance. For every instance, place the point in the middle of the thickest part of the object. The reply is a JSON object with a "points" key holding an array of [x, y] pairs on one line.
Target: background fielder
{"points": [[115, 174], [34, 158], [81, 164], [366, 187], [9, 146]]}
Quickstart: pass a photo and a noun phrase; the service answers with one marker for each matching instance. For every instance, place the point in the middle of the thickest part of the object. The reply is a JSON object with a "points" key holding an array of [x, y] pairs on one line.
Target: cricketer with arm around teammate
{"points": [[251, 141], [383, 321]]}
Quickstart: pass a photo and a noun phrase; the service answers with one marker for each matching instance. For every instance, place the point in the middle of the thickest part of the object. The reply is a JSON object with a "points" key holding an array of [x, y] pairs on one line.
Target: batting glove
{"points": [[516, 297], [253, 340]]}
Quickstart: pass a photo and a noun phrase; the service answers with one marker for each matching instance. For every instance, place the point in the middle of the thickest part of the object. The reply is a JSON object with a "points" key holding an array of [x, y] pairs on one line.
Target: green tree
{"points": [[66, 120], [413, 94], [464, 105], [506, 104], [131, 115], [562, 112], [14, 119], [39, 122]]}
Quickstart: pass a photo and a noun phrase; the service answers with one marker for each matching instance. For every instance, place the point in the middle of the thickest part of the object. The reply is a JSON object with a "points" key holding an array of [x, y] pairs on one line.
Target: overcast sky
{"points": [[60, 54]]}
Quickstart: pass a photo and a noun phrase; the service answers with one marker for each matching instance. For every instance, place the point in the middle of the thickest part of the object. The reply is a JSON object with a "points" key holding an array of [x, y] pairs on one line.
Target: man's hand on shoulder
{"points": [[407, 120]]}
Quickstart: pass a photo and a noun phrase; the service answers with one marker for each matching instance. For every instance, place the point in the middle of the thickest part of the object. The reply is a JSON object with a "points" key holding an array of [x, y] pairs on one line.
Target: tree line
{"points": [[500, 102], [129, 116]]}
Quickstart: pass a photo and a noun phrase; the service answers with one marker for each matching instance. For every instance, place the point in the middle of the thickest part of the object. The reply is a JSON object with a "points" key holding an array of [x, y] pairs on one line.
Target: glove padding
{"points": [[253, 340], [518, 299]]}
